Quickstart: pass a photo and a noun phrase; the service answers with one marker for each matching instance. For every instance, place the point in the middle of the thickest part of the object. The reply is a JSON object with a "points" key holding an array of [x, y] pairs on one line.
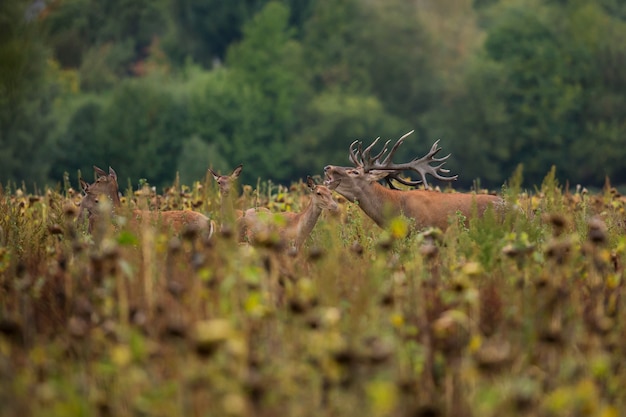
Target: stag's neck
{"points": [[379, 203]]}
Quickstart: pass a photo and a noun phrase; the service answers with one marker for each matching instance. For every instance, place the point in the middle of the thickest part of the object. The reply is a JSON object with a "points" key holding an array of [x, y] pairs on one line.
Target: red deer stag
{"points": [[292, 228], [106, 185], [428, 208]]}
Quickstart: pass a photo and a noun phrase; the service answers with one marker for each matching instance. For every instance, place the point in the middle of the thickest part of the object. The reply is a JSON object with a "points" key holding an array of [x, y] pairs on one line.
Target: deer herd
{"points": [[359, 184]]}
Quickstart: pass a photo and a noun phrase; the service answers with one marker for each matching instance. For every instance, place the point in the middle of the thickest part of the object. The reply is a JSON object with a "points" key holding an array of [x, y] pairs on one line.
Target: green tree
{"points": [[141, 131], [545, 92], [204, 29], [249, 109], [106, 40], [600, 149], [77, 141], [335, 120], [27, 91], [365, 53]]}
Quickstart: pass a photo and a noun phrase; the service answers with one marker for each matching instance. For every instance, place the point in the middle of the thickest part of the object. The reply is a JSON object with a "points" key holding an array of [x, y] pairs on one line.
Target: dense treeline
{"points": [[158, 87]]}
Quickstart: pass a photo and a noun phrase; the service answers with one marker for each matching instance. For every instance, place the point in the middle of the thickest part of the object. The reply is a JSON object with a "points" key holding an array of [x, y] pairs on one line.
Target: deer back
{"points": [[288, 227], [106, 187]]}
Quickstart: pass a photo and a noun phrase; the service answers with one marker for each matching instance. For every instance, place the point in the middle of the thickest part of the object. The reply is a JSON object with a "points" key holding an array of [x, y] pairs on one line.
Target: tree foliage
{"points": [[27, 90], [285, 86]]}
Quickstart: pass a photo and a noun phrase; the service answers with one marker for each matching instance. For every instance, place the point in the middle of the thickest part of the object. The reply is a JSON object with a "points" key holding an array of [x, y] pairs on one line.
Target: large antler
{"points": [[363, 158]]}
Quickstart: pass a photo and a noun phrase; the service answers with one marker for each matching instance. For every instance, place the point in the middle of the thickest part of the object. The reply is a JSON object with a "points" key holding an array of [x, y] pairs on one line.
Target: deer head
{"points": [[225, 182], [105, 185], [323, 195], [370, 168]]}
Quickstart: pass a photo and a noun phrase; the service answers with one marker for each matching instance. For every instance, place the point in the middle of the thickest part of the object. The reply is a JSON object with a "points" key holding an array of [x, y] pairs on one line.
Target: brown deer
{"points": [[292, 228], [225, 184], [106, 185], [427, 207], [227, 210]]}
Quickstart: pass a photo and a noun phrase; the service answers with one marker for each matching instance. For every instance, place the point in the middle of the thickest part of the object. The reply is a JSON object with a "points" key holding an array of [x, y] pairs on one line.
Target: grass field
{"points": [[520, 315]]}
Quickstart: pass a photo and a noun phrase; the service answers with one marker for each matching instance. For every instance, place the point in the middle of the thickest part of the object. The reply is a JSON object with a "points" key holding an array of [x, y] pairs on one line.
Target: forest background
{"points": [[155, 87]]}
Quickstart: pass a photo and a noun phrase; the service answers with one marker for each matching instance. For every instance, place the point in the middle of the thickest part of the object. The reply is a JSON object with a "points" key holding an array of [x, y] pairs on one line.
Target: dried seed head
{"points": [[357, 248], [511, 250], [197, 260], [55, 229], [138, 317], [313, 322], [175, 329], [387, 299], [427, 410], [209, 335], [553, 334], [298, 306], [316, 253], [450, 332], [110, 250], [77, 327], [460, 283], [490, 309], [493, 356], [429, 250], [558, 222], [176, 288], [345, 356], [377, 351], [11, 329], [597, 231], [433, 235], [559, 250], [255, 387], [70, 210]]}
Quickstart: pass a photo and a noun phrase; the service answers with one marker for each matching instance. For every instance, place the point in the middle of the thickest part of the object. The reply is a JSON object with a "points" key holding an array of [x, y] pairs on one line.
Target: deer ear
{"points": [[83, 185], [237, 171], [215, 176], [112, 173], [99, 172], [310, 182]]}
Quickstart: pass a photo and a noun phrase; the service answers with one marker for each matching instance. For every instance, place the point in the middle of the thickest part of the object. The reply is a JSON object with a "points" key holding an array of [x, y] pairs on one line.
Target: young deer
{"points": [[106, 185], [225, 184], [292, 228], [381, 204], [227, 210]]}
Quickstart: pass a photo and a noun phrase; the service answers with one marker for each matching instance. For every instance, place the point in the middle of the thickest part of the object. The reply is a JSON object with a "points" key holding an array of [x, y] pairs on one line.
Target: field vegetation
{"points": [[512, 314]]}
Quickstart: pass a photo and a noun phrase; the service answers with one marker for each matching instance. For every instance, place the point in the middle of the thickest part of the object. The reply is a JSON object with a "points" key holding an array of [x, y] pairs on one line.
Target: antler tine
{"points": [[353, 155], [362, 158], [412, 183], [422, 167], [381, 153], [368, 161], [400, 141]]}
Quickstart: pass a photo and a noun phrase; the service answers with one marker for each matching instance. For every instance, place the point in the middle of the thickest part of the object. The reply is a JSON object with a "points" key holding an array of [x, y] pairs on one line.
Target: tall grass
{"points": [[515, 313]]}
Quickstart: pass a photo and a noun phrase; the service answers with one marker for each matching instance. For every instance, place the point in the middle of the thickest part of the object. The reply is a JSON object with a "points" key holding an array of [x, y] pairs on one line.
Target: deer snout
{"points": [[328, 168]]}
